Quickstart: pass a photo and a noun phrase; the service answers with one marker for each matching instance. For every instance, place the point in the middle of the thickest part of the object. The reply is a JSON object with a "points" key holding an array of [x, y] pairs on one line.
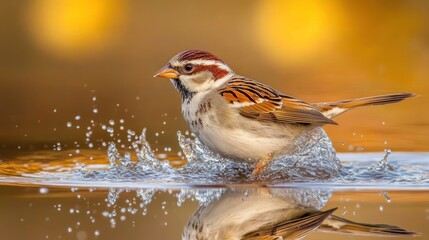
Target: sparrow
{"points": [[275, 214], [245, 120]]}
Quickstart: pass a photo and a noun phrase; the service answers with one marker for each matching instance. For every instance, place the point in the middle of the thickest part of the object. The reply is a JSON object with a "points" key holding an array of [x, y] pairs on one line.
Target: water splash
{"points": [[143, 197], [382, 164], [122, 167], [313, 160], [398, 168], [202, 196], [313, 157]]}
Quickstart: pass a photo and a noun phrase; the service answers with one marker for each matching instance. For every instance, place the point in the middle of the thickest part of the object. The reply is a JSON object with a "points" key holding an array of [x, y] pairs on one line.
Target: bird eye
{"points": [[189, 67]]}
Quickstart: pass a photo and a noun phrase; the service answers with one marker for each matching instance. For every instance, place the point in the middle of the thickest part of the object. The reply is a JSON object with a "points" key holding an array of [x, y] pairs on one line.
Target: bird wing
{"points": [[296, 228], [261, 102]]}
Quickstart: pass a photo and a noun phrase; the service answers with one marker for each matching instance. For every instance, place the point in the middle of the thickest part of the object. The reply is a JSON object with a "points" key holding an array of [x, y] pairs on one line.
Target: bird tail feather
{"points": [[333, 109], [335, 224]]}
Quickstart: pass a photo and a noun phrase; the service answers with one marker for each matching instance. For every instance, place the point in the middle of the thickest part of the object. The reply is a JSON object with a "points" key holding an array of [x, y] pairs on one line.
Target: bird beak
{"points": [[167, 72]]}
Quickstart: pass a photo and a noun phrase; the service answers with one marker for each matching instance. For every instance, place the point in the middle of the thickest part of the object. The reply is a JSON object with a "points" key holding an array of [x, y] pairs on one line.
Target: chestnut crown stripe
{"points": [[197, 55]]}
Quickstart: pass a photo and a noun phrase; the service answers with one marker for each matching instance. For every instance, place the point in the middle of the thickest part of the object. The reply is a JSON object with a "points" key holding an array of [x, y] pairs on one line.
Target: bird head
{"points": [[195, 71]]}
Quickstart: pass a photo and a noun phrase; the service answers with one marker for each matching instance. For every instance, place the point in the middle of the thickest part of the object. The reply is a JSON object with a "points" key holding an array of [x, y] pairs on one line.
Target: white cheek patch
{"points": [[203, 81], [198, 83]]}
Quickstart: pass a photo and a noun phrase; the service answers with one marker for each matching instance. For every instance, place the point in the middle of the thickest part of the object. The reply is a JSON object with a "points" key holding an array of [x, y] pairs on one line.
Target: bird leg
{"points": [[262, 164]]}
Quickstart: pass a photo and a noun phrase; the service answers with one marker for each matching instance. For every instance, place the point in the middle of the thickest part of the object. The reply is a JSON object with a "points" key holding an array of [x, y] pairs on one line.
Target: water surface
{"points": [[140, 194]]}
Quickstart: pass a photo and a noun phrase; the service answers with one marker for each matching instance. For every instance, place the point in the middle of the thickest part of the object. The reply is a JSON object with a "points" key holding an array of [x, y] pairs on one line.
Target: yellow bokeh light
{"points": [[73, 28], [292, 32]]}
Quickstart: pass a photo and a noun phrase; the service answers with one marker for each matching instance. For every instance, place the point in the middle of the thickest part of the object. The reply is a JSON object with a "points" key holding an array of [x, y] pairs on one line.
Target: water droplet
{"points": [[69, 124], [94, 99], [43, 190], [112, 223], [69, 229], [386, 196], [96, 233], [111, 122], [77, 118], [95, 110], [131, 133]]}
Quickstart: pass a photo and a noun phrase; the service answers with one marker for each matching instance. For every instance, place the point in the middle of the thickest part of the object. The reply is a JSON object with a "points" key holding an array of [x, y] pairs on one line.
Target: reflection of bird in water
{"points": [[274, 215]]}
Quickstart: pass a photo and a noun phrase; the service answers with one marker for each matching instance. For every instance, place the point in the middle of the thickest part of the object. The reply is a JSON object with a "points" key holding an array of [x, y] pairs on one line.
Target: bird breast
{"points": [[223, 130]]}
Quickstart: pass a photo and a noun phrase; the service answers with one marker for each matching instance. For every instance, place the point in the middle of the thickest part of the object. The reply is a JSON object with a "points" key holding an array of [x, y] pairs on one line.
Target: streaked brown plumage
{"points": [[266, 104], [247, 120]]}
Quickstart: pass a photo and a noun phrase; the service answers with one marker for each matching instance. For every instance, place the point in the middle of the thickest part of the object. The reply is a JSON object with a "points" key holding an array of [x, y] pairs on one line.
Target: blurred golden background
{"points": [[57, 55]]}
